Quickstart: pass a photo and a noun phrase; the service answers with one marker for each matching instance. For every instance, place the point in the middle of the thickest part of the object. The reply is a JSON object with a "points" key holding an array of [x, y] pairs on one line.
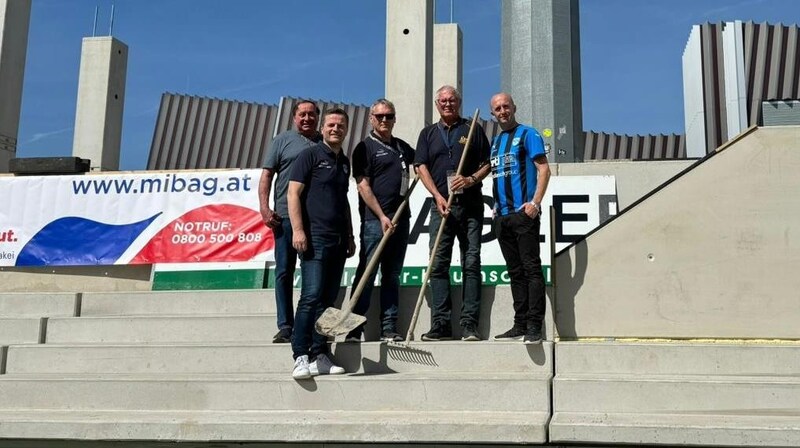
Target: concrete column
{"points": [[409, 64], [101, 97], [735, 81], [540, 68], [447, 56], [694, 111], [15, 18]]}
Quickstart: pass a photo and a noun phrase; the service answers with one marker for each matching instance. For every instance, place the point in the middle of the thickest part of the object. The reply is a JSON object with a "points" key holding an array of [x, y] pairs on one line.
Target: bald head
{"points": [[504, 110]]}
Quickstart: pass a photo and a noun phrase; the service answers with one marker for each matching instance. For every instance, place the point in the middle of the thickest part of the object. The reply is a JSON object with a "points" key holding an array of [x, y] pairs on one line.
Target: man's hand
{"points": [[531, 210], [299, 241], [271, 219], [351, 246], [460, 182], [386, 224], [441, 205]]}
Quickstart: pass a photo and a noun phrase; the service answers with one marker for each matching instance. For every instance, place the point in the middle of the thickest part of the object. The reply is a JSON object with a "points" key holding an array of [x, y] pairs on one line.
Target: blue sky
{"points": [[260, 50]]}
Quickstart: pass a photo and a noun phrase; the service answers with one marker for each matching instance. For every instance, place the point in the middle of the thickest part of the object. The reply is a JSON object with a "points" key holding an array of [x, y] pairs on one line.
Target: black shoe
{"points": [[515, 333], [470, 333], [284, 336], [440, 333], [533, 337], [392, 336], [353, 336]]}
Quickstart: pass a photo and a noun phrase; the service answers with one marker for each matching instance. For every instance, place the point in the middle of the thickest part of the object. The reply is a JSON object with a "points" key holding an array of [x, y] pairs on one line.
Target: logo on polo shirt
{"points": [[324, 164], [463, 140], [515, 142], [346, 169]]}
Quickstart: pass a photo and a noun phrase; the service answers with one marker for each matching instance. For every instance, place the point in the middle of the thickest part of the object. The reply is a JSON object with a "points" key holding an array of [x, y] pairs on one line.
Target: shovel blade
{"points": [[334, 322]]}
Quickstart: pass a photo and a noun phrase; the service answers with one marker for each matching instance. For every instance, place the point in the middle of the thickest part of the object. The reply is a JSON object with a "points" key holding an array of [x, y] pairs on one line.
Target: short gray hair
{"points": [[450, 88], [384, 102]]}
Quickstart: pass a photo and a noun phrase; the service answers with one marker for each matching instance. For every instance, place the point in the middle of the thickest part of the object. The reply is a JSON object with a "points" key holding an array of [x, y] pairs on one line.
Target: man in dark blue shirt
{"points": [[521, 174], [439, 150], [381, 169], [323, 236]]}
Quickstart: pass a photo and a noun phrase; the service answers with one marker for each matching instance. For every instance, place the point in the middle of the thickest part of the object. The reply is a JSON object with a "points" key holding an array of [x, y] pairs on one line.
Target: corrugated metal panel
{"points": [[772, 65], [195, 132], [714, 84], [781, 113], [603, 146]]}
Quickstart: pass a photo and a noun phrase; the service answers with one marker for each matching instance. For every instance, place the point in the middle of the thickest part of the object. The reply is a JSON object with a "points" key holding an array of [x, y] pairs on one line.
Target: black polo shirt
{"points": [[384, 165], [326, 177], [439, 148]]}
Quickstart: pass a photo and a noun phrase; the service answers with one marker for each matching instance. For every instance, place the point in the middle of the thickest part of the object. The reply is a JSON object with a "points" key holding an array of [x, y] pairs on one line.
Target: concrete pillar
{"points": [[101, 97], [447, 56], [694, 111], [540, 68], [735, 81], [409, 64], [15, 18]]}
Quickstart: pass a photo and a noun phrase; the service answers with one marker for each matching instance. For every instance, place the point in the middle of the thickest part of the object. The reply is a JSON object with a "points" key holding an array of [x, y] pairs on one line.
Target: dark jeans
{"points": [[321, 267], [285, 260], [391, 263], [464, 223], [518, 235]]}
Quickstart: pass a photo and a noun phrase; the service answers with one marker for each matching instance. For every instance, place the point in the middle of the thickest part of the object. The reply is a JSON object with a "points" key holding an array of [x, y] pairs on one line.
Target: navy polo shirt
{"points": [[384, 165], [326, 177], [439, 148]]}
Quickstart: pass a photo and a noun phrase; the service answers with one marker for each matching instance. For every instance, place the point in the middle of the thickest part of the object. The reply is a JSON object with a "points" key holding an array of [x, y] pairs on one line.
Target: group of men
{"points": [[311, 218]]}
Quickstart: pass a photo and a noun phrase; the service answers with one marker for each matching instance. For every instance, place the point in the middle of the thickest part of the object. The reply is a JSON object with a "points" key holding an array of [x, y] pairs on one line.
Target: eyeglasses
{"points": [[381, 117], [447, 101]]}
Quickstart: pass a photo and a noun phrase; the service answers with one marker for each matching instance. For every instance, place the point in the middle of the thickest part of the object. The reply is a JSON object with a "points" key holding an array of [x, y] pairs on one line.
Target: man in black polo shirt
{"points": [[439, 150], [380, 167], [323, 236]]}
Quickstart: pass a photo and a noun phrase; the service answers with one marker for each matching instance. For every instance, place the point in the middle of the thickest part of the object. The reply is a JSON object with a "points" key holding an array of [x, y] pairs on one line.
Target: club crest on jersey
{"points": [[515, 142]]}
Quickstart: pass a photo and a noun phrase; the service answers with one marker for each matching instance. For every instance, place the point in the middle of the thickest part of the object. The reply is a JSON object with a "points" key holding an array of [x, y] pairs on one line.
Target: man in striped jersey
{"points": [[520, 175]]}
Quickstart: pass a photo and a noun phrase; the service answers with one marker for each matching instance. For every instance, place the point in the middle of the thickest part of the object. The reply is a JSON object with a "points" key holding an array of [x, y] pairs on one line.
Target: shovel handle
{"points": [[422, 288]]}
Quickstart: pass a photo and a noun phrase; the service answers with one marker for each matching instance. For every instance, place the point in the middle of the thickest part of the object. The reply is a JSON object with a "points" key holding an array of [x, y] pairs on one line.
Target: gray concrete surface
{"points": [[20, 330], [38, 304], [14, 23], [76, 278], [448, 63]]}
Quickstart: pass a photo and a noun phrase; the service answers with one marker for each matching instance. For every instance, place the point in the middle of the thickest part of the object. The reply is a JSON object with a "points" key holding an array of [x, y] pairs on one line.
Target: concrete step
{"points": [[428, 391], [27, 330], [178, 302], [677, 358], [496, 308], [38, 304], [638, 393], [678, 430], [371, 357], [417, 426], [162, 329]]}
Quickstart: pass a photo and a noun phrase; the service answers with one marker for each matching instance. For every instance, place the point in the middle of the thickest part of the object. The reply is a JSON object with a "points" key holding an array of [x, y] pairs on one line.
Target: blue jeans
{"points": [[285, 260], [321, 267], [518, 235], [391, 263], [465, 223]]}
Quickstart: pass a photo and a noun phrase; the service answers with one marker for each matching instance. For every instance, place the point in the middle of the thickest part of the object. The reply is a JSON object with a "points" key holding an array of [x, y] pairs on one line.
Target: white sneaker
{"points": [[324, 366], [301, 368]]}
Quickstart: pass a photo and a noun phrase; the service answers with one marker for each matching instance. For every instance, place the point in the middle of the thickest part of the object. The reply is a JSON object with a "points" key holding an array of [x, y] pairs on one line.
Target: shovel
{"points": [[334, 322]]}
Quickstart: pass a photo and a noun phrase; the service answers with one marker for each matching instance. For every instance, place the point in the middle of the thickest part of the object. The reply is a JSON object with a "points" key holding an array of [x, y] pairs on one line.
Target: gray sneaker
{"points": [[324, 366], [533, 337], [470, 333]]}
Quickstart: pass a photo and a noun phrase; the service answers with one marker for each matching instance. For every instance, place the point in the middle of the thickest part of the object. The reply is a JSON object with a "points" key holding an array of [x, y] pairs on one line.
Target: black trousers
{"points": [[518, 235]]}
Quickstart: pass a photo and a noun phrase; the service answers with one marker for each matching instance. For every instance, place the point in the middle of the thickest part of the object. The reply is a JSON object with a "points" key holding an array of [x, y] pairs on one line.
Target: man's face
{"points": [[334, 129], [448, 104], [306, 118], [382, 119], [503, 109]]}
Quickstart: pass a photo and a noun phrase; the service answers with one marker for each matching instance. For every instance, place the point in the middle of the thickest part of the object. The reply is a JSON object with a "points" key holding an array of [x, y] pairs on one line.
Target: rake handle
{"points": [[450, 197]]}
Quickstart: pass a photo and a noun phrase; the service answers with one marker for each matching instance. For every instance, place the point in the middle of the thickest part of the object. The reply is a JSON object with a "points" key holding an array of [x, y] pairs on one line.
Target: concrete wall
{"points": [[101, 97], [710, 255], [76, 278], [14, 22], [409, 66]]}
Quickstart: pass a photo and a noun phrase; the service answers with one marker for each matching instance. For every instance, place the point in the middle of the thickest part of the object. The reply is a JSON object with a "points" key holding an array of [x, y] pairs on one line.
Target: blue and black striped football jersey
{"points": [[513, 170]]}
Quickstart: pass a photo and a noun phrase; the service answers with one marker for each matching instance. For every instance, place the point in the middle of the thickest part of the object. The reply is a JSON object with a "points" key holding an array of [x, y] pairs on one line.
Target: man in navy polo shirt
{"points": [[439, 150], [283, 150], [521, 174], [381, 168], [323, 236]]}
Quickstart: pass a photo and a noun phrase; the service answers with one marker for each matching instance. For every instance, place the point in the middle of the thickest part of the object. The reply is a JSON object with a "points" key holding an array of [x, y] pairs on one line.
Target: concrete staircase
{"points": [[200, 366], [723, 394]]}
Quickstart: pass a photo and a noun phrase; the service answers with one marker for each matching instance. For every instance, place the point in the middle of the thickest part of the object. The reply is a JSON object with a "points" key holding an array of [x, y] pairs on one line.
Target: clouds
{"points": [[45, 135]]}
